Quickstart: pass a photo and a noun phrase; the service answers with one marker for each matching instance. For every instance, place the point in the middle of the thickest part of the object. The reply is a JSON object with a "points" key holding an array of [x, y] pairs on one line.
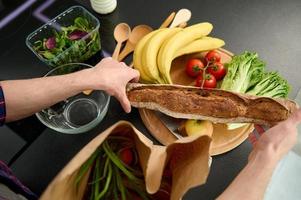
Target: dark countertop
{"points": [[270, 27]]}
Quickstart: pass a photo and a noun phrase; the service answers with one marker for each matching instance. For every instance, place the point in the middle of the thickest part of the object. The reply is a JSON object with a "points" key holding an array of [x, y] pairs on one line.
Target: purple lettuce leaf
{"points": [[50, 43], [77, 34]]}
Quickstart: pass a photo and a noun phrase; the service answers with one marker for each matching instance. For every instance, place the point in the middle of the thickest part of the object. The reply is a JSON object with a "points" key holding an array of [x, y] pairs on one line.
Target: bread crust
{"points": [[209, 104]]}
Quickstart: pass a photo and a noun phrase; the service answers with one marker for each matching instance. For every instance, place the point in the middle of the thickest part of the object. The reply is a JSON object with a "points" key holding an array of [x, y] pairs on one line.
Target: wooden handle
{"points": [[87, 92], [168, 20], [126, 51], [116, 51]]}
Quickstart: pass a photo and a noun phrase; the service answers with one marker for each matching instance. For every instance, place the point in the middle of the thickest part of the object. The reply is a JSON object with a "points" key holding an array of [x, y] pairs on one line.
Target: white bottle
{"points": [[104, 6]]}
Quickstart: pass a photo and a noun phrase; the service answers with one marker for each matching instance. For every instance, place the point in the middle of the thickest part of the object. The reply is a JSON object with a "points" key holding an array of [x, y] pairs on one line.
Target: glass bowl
{"points": [[80, 50], [78, 113]]}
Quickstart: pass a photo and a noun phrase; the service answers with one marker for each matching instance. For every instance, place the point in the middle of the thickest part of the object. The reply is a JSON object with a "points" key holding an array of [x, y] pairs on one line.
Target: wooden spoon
{"points": [[183, 15], [122, 33], [168, 20], [137, 33]]}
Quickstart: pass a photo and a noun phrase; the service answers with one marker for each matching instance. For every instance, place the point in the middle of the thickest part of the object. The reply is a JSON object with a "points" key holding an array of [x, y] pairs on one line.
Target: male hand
{"points": [[112, 76], [278, 140]]}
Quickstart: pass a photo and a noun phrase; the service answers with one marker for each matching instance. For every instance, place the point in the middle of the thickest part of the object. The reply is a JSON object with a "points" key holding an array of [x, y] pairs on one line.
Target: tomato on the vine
{"points": [[217, 69], [194, 67], [213, 56], [209, 81]]}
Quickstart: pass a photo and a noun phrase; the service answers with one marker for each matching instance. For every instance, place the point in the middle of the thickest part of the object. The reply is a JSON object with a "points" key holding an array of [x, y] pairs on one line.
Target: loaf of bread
{"points": [[210, 104]]}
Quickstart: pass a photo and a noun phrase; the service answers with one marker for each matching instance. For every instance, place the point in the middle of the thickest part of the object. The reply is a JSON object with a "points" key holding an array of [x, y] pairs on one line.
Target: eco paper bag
{"points": [[188, 159]]}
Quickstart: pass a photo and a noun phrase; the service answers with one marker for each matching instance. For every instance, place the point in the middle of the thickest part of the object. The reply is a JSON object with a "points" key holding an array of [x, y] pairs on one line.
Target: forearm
{"points": [[26, 97], [252, 181]]}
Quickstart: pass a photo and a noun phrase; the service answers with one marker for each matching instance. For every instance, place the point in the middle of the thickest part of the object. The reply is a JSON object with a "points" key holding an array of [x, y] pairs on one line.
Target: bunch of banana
{"points": [[154, 53]]}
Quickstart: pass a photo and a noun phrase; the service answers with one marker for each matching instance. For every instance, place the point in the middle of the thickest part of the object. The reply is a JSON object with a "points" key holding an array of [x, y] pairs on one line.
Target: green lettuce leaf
{"points": [[244, 71], [271, 85]]}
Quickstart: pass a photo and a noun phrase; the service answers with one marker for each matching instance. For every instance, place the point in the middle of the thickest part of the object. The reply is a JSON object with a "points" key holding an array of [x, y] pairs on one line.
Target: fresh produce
{"points": [[205, 81], [207, 76], [180, 39], [163, 45], [151, 49], [213, 56], [137, 59], [198, 127], [246, 74], [126, 155], [232, 126], [73, 39], [194, 67], [271, 85], [244, 71], [217, 70], [116, 173], [202, 44]]}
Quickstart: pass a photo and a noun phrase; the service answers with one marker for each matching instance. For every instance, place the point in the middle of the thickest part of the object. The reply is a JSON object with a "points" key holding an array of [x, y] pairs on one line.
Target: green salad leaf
{"points": [[82, 23], [271, 85], [78, 42], [244, 71], [246, 74]]}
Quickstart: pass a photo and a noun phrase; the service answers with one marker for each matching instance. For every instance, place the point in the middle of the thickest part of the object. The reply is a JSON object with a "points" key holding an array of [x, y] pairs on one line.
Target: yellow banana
{"points": [[151, 50], [174, 43], [138, 56], [202, 44]]}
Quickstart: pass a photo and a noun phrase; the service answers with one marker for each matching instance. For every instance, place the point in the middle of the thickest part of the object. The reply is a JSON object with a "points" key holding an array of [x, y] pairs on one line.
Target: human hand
{"points": [[278, 140], [112, 76]]}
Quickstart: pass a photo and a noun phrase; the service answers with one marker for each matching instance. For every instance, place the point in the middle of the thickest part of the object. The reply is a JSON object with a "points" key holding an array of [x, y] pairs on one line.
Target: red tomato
{"points": [[218, 70], [209, 82], [213, 56], [194, 67], [126, 155]]}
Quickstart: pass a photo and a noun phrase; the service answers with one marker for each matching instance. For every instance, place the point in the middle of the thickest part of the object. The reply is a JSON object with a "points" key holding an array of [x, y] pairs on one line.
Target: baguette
{"points": [[216, 105]]}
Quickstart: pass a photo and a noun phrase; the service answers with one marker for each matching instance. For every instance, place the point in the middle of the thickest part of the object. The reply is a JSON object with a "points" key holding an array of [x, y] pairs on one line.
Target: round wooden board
{"points": [[223, 140]]}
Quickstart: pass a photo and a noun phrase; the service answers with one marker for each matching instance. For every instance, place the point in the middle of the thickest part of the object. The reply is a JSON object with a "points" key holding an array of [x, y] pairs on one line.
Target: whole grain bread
{"points": [[209, 104]]}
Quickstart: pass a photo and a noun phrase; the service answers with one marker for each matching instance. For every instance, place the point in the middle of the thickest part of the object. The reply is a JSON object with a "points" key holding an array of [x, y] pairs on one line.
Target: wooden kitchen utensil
{"points": [[137, 33], [182, 16], [122, 33], [168, 20]]}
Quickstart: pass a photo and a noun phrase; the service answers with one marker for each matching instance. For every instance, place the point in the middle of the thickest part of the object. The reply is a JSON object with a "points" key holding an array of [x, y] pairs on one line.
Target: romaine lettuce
{"points": [[246, 74]]}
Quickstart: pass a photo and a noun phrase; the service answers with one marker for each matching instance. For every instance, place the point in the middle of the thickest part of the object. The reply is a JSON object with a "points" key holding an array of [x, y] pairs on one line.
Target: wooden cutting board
{"points": [[223, 140]]}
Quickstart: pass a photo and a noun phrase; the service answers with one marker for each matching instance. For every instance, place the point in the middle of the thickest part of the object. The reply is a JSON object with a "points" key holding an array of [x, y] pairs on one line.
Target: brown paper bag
{"points": [[188, 159]]}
